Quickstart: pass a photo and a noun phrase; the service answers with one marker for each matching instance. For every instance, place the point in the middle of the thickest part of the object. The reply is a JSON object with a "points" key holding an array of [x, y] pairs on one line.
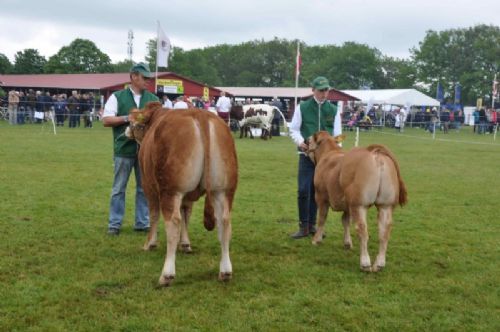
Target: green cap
{"points": [[142, 69], [320, 83]]}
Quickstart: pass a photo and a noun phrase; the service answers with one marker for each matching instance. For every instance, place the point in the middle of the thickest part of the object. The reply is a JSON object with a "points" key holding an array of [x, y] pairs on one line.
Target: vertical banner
{"points": [[440, 93], [458, 93]]}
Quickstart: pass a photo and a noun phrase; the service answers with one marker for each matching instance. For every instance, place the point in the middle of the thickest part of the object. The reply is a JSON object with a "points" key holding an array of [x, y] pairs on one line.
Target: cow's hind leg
{"points": [[223, 217], [384, 231], [347, 233], [358, 214], [154, 215], [170, 206], [187, 208]]}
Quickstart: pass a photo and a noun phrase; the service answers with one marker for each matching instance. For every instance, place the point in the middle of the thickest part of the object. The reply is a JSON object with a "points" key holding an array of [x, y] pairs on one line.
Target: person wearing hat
{"points": [[116, 115], [311, 116]]}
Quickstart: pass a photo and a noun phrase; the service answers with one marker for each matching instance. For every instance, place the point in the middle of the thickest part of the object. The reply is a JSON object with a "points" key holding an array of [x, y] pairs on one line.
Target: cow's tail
{"points": [[209, 213], [403, 194]]}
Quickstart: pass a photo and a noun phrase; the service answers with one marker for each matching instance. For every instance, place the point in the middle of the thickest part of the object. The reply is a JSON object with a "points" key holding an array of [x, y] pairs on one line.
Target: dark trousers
{"points": [[306, 201]]}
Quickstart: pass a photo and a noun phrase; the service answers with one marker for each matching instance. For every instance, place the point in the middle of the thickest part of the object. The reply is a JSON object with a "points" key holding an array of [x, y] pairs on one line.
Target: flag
{"points": [[458, 93], [440, 93], [162, 48], [298, 61]]}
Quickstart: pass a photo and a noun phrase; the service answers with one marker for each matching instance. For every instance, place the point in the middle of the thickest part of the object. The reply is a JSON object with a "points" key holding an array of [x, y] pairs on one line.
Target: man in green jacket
{"points": [[116, 115], [311, 116]]}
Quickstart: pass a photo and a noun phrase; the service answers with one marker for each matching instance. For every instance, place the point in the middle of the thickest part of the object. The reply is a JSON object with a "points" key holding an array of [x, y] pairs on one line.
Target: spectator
{"points": [[60, 109], [223, 106], [180, 104], [167, 103], [73, 109], [40, 102], [445, 120], [13, 106], [31, 105], [23, 101]]}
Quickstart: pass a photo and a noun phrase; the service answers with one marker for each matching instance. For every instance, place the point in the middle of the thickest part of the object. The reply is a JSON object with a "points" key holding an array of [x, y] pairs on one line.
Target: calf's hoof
{"points": [[347, 246], [166, 281], [186, 248], [377, 268], [366, 268], [225, 276], [149, 246]]}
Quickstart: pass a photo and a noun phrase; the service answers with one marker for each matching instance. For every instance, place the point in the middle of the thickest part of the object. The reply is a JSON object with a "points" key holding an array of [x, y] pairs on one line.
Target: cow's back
{"points": [[368, 178], [172, 152]]}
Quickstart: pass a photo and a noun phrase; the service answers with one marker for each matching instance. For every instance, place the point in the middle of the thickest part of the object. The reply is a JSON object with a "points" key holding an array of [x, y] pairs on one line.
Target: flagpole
{"points": [[296, 75], [157, 45], [493, 94]]}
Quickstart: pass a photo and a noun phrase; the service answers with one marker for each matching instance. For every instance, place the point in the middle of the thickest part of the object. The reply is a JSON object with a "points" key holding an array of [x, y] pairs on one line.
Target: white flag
{"points": [[163, 48]]}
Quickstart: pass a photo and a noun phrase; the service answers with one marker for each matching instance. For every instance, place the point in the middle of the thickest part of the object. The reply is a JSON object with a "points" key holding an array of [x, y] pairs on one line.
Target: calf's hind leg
{"points": [[384, 231], [358, 214], [171, 206]]}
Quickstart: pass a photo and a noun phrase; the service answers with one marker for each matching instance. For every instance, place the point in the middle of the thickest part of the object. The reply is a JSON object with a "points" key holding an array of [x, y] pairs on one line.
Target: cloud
{"points": [[389, 25]]}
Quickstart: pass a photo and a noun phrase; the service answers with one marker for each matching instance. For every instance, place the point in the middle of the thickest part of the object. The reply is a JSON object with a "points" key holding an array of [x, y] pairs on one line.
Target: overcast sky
{"points": [[392, 26]]}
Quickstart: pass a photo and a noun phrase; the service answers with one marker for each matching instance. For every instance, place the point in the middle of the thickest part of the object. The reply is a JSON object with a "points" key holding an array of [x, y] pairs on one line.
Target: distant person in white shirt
{"points": [[180, 104], [223, 106], [167, 103]]}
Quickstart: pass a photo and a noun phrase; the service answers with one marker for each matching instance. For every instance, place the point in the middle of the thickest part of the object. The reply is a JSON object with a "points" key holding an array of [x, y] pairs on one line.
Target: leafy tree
{"points": [[81, 56], [29, 61], [5, 65], [122, 66], [469, 56]]}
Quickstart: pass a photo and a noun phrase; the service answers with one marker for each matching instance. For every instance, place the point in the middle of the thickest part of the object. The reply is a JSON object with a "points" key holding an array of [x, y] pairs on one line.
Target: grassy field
{"points": [[59, 271]]}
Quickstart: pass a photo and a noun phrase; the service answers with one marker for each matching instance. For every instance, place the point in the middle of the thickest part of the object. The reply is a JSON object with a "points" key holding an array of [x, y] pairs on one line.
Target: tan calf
{"points": [[352, 182], [183, 155]]}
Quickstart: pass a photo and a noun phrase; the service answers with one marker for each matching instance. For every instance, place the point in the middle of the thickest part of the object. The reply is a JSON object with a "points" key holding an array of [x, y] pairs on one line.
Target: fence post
{"points": [[356, 142], [434, 131]]}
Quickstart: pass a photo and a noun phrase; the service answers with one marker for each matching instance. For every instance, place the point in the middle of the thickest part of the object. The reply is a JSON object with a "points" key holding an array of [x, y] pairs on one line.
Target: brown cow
{"points": [[352, 182], [183, 155]]}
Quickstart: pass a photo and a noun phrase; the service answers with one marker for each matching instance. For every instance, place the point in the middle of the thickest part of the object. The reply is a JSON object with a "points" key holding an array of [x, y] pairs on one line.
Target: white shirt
{"points": [[297, 123], [180, 105], [168, 104], [223, 104], [111, 106]]}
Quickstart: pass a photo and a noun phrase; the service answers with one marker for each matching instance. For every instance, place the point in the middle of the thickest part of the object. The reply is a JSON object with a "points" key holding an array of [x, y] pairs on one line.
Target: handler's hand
{"points": [[303, 147]]}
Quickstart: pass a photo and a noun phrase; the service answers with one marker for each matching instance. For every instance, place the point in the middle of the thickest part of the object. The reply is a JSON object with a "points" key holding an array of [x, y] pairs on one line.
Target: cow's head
{"points": [[140, 120], [320, 139], [236, 112]]}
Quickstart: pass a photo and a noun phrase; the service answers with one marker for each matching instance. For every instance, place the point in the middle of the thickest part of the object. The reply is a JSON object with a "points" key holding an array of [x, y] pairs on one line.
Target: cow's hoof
{"points": [[186, 248], [366, 268], [149, 246], [377, 268], [347, 246], [315, 241], [166, 281], [225, 276]]}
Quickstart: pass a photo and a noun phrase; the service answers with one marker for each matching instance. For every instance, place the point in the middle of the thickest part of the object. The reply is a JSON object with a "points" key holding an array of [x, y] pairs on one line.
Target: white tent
{"points": [[402, 97]]}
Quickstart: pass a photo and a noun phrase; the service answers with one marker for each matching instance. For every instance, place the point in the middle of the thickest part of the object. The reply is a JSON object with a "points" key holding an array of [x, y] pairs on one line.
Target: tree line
{"points": [[468, 56]]}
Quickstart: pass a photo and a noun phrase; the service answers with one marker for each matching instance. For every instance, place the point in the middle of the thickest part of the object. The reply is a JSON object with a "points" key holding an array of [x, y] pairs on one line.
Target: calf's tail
{"points": [[209, 213], [403, 194]]}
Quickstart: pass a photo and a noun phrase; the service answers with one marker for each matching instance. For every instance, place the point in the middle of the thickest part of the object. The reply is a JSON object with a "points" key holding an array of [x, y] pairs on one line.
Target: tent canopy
{"points": [[402, 97]]}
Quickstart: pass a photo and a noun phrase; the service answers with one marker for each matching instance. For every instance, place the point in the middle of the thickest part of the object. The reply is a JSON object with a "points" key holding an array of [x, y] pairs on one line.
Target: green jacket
{"points": [[124, 147], [316, 117]]}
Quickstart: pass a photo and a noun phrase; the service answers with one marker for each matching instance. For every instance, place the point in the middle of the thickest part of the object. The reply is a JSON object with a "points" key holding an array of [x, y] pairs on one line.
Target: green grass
{"points": [[60, 272]]}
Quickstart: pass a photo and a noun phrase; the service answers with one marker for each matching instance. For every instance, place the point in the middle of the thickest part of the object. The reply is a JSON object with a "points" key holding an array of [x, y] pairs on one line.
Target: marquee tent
{"points": [[401, 97]]}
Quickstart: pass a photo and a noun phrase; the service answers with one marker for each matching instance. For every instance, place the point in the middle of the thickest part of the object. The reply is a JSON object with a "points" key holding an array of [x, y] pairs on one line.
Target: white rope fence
{"points": [[433, 138]]}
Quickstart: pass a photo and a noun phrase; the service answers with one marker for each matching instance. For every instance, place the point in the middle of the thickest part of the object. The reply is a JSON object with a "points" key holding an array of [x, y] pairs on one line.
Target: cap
{"points": [[320, 83], [142, 69]]}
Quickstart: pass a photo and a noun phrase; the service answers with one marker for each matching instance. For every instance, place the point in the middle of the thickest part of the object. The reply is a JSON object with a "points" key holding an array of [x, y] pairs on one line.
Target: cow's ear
{"points": [[340, 138], [151, 107]]}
